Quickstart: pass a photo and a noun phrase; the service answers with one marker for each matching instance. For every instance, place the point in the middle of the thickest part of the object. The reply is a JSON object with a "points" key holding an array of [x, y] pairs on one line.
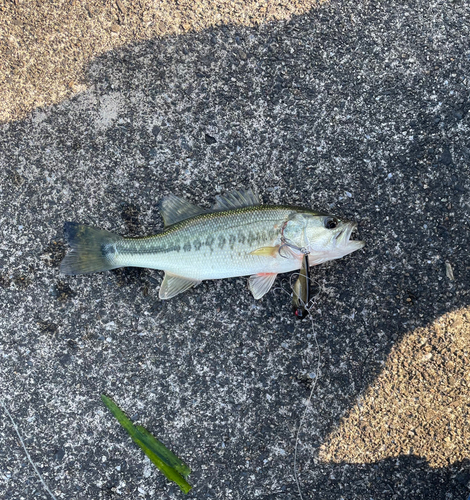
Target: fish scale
{"points": [[212, 246]]}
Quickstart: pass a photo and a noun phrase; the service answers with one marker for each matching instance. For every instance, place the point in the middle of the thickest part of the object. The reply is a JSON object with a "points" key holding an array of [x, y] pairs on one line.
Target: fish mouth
{"points": [[343, 238]]}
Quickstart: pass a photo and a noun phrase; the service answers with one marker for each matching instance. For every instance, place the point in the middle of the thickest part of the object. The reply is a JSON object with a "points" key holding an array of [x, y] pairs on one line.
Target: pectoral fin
{"points": [[315, 259], [260, 284], [265, 251], [173, 285]]}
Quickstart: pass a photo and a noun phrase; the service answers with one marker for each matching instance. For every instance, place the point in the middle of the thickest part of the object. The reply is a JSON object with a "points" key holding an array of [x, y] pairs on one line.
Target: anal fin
{"points": [[260, 284], [173, 285]]}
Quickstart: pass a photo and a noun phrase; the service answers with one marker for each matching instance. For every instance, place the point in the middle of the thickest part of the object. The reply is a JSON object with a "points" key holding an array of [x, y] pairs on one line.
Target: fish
{"points": [[301, 290], [239, 236]]}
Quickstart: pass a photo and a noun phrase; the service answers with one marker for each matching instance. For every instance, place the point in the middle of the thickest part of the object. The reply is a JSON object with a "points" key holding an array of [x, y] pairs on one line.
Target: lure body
{"points": [[301, 290]]}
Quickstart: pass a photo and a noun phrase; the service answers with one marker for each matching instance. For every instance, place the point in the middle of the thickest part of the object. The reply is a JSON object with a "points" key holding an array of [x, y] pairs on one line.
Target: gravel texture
{"points": [[357, 108], [45, 47], [431, 397]]}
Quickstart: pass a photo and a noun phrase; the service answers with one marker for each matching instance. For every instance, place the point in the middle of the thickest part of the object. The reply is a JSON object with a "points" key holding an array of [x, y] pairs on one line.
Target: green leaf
{"points": [[163, 458], [163, 452]]}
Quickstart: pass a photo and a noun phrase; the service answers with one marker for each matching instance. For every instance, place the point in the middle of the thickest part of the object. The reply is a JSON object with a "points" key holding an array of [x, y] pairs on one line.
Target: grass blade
{"points": [[163, 452], [164, 459]]}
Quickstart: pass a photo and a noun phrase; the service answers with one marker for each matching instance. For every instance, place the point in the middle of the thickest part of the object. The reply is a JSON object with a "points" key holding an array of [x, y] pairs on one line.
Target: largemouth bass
{"points": [[237, 237]]}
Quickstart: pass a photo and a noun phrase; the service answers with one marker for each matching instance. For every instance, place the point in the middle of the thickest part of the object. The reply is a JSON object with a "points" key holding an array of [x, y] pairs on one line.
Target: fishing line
{"points": [[26, 451], [308, 307], [307, 404]]}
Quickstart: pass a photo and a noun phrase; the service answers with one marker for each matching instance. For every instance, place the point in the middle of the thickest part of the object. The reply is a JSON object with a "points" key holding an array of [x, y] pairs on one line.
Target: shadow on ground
{"points": [[360, 110]]}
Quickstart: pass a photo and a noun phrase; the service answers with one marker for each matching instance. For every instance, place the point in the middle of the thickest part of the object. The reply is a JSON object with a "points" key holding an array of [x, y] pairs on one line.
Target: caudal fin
{"points": [[92, 249]]}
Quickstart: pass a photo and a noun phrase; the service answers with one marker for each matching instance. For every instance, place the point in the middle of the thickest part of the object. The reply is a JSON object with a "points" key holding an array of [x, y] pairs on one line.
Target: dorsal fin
{"points": [[175, 209], [236, 199]]}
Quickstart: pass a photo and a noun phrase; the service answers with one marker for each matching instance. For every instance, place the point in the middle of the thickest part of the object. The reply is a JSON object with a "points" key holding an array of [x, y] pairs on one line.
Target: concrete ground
{"points": [[357, 108]]}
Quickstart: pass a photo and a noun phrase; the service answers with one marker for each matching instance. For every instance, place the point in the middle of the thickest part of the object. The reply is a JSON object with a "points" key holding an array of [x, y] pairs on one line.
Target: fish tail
{"points": [[92, 249]]}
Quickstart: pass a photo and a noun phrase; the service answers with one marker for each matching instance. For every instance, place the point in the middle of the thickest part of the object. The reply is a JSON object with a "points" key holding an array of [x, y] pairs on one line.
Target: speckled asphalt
{"points": [[356, 108]]}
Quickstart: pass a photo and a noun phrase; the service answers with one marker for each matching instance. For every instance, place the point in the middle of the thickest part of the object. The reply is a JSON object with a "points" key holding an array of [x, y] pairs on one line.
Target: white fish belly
{"points": [[203, 266]]}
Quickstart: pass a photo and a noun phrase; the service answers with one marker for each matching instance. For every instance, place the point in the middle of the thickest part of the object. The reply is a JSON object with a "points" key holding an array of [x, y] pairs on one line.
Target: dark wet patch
{"points": [[62, 291], [47, 327], [130, 215], [146, 290], [54, 253], [21, 281], [126, 276]]}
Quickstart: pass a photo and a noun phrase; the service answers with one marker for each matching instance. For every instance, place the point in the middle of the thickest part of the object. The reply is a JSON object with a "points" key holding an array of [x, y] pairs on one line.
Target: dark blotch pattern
{"points": [[209, 241], [107, 249], [232, 239]]}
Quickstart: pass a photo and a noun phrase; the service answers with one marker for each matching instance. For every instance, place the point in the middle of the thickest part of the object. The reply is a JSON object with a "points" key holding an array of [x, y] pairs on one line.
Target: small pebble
{"points": [[449, 271]]}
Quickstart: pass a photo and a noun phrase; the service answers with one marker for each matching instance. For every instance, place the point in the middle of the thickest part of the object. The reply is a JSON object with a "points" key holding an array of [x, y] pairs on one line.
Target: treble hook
{"points": [[285, 243]]}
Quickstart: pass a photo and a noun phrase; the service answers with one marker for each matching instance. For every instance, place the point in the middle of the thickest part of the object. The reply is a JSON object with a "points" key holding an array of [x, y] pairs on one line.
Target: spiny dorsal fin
{"points": [[260, 284], [175, 209], [173, 285], [236, 199]]}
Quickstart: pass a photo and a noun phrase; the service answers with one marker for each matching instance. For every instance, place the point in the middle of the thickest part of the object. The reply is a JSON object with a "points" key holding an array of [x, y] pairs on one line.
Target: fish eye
{"points": [[331, 222]]}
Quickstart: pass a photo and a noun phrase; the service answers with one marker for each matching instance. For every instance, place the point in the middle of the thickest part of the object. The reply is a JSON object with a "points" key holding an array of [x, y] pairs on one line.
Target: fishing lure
{"points": [[301, 290]]}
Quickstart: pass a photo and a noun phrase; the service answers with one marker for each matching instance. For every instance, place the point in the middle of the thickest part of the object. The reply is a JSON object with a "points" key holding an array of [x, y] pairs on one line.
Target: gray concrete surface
{"points": [[358, 108]]}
